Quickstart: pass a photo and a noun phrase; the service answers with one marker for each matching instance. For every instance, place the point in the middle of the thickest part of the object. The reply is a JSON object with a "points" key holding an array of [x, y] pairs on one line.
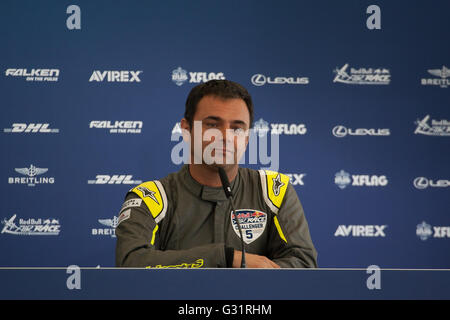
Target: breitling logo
{"points": [[32, 180], [443, 73], [148, 193], [277, 184], [110, 231]]}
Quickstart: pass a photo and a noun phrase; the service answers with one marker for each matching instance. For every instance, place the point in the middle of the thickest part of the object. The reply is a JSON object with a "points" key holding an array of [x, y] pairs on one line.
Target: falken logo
{"points": [[30, 128], [443, 82], [115, 76], [435, 128], [31, 178], [114, 179], [31, 227], [424, 231], [38, 75], [343, 179], [360, 231], [110, 231], [362, 76], [423, 183], [180, 76], [117, 126], [341, 131], [260, 80], [261, 127]]}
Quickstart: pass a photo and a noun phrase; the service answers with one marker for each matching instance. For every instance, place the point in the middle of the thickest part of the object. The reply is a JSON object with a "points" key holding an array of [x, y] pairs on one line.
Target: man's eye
{"points": [[238, 131], [211, 125]]}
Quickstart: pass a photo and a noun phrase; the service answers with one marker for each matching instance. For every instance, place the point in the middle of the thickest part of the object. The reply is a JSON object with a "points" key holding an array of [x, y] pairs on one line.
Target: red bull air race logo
{"points": [[253, 223], [31, 226]]}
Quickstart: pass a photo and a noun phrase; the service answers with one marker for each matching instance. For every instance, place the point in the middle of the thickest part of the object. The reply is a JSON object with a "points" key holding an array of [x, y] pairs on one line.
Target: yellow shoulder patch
{"points": [[154, 196], [274, 186]]}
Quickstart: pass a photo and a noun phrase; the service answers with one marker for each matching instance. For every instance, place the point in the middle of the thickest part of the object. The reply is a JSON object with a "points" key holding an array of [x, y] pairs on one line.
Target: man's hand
{"points": [[253, 261]]}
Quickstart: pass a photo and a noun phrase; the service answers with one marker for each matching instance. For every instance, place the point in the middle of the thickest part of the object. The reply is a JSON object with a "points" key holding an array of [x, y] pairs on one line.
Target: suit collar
{"points": [[213, 194]]}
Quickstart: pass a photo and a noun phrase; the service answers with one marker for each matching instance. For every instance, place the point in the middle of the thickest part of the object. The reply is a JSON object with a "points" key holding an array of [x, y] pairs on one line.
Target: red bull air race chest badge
{"points": [[253, 223]]}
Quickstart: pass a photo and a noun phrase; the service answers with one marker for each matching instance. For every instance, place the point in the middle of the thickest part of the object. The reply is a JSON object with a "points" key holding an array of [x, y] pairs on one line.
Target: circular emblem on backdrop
{"points": [[421, 183], [261, 127], [340, 131], [424, 231], [342, 179], [259, 80], [179, 76], [253, 223]]}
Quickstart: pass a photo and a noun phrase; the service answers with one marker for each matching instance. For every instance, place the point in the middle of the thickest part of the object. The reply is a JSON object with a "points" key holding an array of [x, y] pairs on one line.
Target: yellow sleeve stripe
{"points": [[153, 235], [274, 186], [280, 232], [154, 196]]}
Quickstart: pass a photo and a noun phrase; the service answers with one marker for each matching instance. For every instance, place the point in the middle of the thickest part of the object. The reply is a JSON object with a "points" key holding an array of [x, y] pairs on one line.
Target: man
{"points": [[185, 220]]}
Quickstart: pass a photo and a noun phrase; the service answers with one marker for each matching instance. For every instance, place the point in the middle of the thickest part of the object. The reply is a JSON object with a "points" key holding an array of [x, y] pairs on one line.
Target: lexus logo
{"points": [[259, 80], [340, 131], [423, 183]]}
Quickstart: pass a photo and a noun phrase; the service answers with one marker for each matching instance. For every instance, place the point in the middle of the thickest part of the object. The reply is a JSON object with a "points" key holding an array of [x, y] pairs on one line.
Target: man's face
{"points": [[224, 127]]}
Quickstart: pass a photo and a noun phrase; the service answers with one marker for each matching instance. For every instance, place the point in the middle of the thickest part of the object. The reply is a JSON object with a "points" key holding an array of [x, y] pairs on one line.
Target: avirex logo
{"points": [[115, 76], [360, 231], [296, 179]]}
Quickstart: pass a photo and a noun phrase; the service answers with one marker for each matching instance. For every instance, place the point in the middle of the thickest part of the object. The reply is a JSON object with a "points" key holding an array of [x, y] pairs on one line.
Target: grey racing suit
{"points": [[178, 223]]}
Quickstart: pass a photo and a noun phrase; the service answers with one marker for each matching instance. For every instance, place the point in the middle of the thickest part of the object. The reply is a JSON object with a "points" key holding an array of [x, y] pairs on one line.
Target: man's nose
{"points": [[226, 131]]}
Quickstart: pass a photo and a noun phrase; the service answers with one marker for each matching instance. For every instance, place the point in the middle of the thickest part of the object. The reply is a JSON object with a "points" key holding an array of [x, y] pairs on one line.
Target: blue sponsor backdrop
{"points": [[378, 195]]}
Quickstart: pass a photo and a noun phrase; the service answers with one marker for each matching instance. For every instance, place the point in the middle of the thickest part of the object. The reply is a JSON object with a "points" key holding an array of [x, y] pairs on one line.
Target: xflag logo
{"points": [[180, 76]]}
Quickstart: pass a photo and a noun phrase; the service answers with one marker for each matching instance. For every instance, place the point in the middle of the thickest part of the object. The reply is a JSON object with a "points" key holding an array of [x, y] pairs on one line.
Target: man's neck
{"points": [[209, 176]]}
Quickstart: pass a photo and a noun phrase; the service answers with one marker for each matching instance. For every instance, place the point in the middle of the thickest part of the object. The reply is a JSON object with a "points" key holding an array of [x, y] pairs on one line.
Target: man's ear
{"points": [[185, 129], [185, 124]]}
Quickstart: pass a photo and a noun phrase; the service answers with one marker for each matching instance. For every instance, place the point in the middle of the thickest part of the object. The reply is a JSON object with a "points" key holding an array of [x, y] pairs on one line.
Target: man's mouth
{"points": [[224, 151]]}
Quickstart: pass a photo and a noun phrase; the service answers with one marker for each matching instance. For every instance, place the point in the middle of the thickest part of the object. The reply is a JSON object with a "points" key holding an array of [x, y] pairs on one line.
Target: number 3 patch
{"points": [[253, 223]]}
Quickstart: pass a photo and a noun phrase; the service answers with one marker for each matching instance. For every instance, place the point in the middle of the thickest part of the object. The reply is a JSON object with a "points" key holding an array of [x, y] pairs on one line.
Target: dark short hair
{"points": [[224, 89]]}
